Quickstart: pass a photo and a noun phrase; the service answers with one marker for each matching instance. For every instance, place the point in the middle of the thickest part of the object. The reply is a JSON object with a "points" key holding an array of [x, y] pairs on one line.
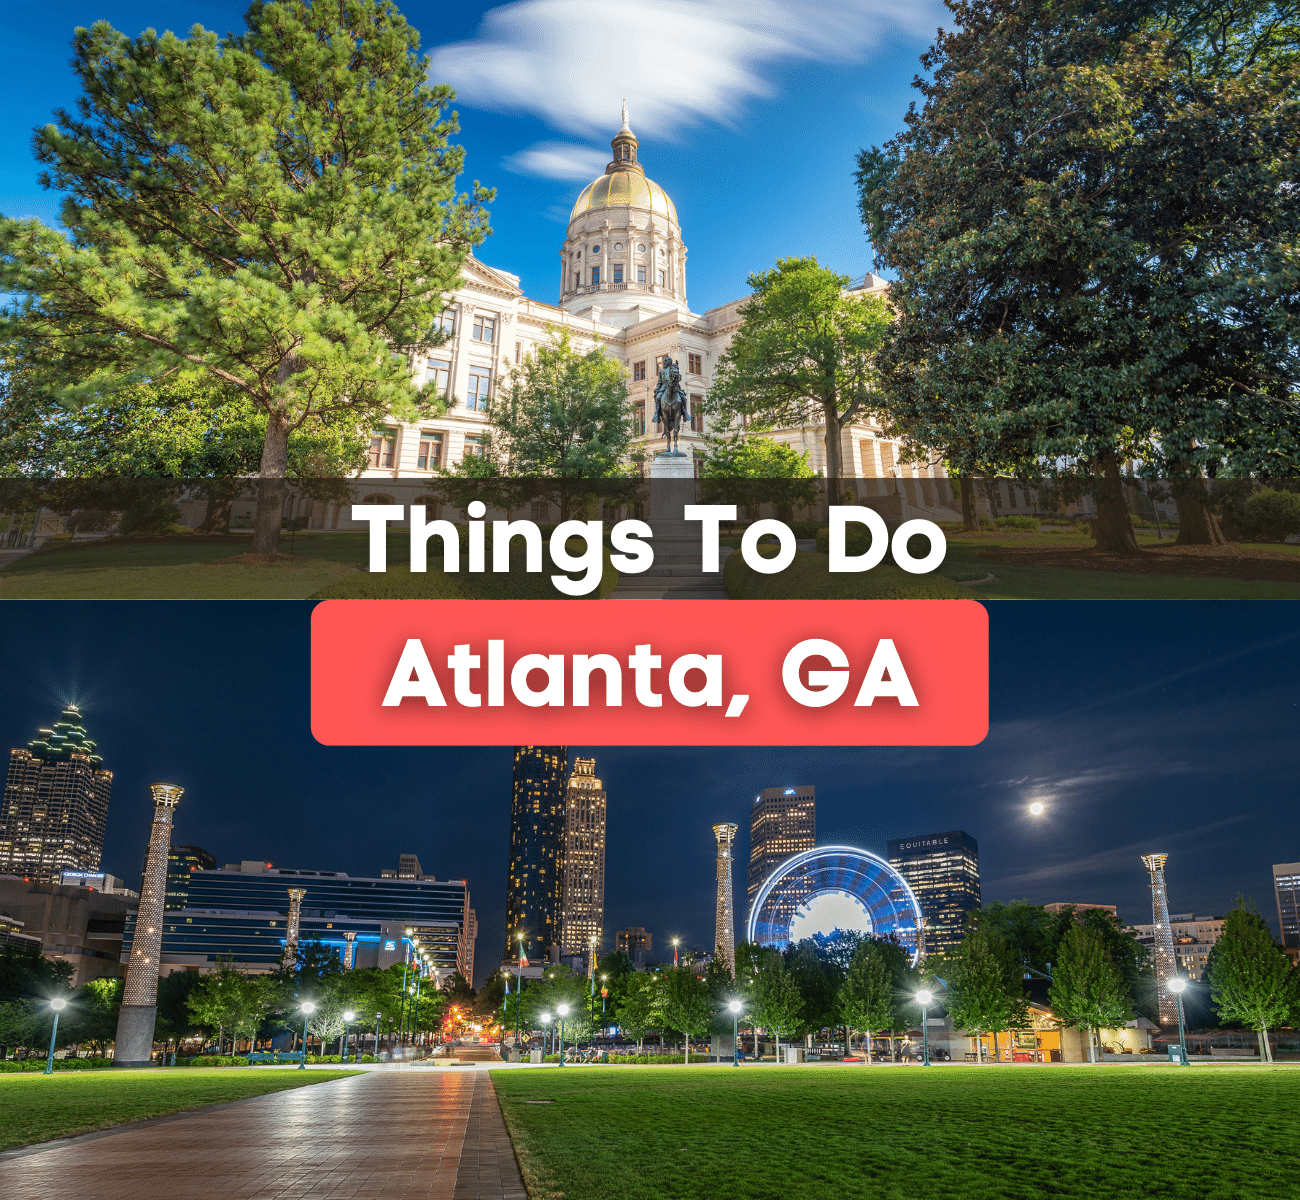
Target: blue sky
{"points": [[749, 114]]}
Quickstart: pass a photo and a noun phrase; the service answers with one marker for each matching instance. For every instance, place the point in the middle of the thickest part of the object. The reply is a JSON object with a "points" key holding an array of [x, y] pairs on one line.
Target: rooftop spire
{"points": [[625, 116], [624, 144]]}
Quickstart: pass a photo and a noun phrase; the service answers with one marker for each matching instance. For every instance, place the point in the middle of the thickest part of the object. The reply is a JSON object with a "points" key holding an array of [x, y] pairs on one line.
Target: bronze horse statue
{"points": [[670, 403]]}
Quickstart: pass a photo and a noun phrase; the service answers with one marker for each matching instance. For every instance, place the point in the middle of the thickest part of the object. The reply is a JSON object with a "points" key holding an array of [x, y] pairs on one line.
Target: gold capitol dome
{"points": [[624, 182]]}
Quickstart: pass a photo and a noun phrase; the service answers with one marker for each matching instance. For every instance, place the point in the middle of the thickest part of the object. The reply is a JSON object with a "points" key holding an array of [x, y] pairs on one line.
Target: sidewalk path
{"points": [[426, 1135]]}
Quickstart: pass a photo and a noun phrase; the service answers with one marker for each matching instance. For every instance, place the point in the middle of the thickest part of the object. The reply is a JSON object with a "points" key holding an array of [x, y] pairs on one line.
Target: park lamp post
{"points": [[675, 941], [1178, 986], [348, 1017], [924, 998], [306, 1008], [377, 1016], [735, 1007], [519, 985], [562, 1010], [57, 1006], [545, 1019]]}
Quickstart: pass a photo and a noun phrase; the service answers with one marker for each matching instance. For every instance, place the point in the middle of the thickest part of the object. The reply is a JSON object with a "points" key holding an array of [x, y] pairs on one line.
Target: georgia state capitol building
{"points": [[622, 287]]}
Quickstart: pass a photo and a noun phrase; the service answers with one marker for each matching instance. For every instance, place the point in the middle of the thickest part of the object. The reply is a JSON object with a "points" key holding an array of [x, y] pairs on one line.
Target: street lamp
{"points": [[675, 941], [1178, 986], [58, 1006], [546, 1032], [924, 998], [377, 1016], [306, 1008], [563, 1011], [519, 986], [348, 1017], [735, 1007]]}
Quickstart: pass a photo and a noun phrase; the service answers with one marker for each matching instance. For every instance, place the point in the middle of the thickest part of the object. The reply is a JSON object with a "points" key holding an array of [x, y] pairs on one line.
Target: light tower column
{"points": [[291, 927], [1166, 964], [350, 950], [724, 940], [135, 1022]]}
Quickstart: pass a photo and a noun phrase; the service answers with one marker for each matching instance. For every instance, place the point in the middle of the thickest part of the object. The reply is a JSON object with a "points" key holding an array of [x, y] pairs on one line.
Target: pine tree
{"points": [[1088, 990], [274, 211], [1249, 976]]}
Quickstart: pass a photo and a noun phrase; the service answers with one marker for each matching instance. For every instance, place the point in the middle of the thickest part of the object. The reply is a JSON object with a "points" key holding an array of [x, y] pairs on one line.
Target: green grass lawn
{"points": [[36, 1108], [904, 1133]]}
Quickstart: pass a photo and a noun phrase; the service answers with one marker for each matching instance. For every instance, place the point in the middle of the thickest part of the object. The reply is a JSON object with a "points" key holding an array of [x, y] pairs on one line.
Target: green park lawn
{"points": [[36, 1108], [837, 1132]]}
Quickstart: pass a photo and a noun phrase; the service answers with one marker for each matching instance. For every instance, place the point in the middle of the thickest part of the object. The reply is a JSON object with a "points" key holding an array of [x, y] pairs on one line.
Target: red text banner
{"points": [[643, 672]]}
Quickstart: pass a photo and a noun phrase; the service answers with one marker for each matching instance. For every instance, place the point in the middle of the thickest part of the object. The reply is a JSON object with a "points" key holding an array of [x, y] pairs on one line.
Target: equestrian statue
{"points": [[670, 404]]}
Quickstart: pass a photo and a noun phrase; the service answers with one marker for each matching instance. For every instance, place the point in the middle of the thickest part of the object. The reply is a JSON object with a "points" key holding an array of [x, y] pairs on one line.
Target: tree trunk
{"points": [[270, 486], [834, 458], [1092, 1046], [969, 519], [221, 498], [1197, 525], [1265, 1050], [1114, 529]]}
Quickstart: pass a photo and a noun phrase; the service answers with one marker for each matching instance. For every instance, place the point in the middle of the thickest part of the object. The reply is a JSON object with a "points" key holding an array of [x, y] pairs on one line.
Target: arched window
{"points": [[377, 498]]}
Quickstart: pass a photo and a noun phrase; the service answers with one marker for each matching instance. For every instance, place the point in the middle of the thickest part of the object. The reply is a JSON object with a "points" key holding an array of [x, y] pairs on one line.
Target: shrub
{"points": [[150, 515], [1029, 524], [1272, 515], [213, 1060], [807, 578]]}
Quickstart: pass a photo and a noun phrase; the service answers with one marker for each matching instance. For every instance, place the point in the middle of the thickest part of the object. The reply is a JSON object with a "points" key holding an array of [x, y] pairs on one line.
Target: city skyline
{"points": [[1140, 766]]}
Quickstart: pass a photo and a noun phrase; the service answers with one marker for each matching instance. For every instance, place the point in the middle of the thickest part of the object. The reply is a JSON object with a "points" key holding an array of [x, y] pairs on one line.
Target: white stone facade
{"points": [[622, 288]]}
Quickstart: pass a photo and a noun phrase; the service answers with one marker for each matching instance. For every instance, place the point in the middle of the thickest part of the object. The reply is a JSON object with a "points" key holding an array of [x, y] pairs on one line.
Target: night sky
{"points": [[1142, 727]]}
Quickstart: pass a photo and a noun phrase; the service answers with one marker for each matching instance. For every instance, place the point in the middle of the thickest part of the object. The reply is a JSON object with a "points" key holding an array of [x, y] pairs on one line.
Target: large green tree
{"points": [[274, 211], [752, 470], [562, 417], [985, 982], [687, 1005], [1249, 980], [775, 1002], [804, 354], [1094, 258], [867, 993], [1087, 989]]}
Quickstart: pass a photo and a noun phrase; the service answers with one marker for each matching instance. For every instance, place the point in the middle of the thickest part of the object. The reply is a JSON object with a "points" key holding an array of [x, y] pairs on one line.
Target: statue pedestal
{"points": [[672, 487]]}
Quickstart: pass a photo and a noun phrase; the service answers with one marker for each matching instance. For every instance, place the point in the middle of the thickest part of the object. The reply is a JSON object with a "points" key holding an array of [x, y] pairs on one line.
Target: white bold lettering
{"points": [[875, 684], [424, 685], [710, 693], [840, 516], [824, 687], [378, 516]]}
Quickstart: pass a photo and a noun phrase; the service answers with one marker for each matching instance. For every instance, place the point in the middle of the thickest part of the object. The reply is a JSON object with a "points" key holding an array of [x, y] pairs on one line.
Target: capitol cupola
{"points": [[623, 260]]}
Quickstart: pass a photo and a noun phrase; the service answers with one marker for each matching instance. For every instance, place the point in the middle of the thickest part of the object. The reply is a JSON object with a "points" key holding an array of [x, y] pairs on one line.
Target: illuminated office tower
{"points": [[1163, 945], [135, 1021], [943, 871], [724, 937], [1286, 889], [535, 875], [55, 804], [782, 823], [582, 909]]}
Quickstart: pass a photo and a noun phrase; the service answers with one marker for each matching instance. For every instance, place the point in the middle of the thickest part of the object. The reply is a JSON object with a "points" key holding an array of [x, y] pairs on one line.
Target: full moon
{"points": [[1036, 808]]}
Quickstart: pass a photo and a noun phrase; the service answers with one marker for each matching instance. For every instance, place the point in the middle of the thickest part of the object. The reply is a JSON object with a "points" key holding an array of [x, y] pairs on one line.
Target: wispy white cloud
{"points": [[558, 160], [677, 62]]}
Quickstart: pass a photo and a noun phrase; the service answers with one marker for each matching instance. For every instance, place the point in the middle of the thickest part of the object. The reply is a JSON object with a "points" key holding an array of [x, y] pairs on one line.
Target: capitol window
{"points": [[618, 272], [640, 249], [595, 275], [661, 279], [595, 249], [618, 245], [484, 329], [640, 273]]}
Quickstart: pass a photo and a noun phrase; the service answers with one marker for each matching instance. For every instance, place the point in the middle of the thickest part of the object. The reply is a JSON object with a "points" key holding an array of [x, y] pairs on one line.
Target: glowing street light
{"points": [[306, 1008], [562, 1010], [348, 1017], [546, 1032], [924, 998], [735, 1007], [57, 1006], [1178, 986], [675, 941]]}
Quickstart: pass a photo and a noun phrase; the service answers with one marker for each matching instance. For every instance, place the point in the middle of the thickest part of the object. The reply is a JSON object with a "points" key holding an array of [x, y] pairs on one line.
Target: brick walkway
{"points": [[419, 1135]]}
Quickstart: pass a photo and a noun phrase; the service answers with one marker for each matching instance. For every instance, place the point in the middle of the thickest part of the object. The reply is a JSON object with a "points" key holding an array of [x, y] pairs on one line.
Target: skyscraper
{"points": [[582, 909], [1286, 887], [181, 861], [55, 804], [943, 871], [535, 876], [724, 936], [782, 823], [1163, 943]]}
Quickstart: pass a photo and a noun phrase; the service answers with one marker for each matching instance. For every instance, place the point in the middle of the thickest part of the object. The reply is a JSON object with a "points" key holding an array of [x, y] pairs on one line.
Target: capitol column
{"points": [[135, 1021]]}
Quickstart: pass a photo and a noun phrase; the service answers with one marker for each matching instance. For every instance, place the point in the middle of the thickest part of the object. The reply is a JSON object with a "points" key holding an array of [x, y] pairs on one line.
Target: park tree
{"points": [[562, 417], [818, 977], [1249, 976], [985, 984], [640, 1007], [1087, 989], [775, 1002], [93, 1008], [274, 211], [687, 1005], [866, 996], [750, 470], [804, 354], [1091, 248]]}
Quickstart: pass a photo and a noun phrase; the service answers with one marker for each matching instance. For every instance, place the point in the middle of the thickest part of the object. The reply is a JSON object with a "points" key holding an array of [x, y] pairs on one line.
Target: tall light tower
{"points": [[135, 1021], [724, 940], [1166, 964], [291, 927]]}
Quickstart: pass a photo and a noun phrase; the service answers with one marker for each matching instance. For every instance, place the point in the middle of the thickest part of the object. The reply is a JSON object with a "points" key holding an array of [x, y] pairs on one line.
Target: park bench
{"points": [[275, 1056]]}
